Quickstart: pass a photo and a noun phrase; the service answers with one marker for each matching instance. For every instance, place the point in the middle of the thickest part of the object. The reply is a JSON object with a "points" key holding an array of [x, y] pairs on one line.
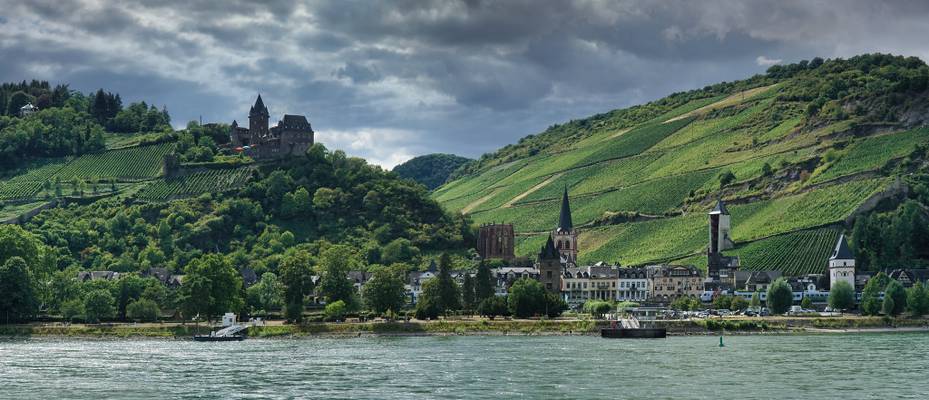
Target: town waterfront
{"points": [[847, 366]]}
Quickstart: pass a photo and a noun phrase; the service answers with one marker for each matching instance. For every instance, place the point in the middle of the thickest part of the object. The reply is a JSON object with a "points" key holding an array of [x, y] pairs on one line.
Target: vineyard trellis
{"points": [[207, 181]]}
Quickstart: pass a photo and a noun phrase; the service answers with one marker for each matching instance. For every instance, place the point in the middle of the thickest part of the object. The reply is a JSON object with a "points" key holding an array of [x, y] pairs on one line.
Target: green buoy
{"points": [[721, 342]]}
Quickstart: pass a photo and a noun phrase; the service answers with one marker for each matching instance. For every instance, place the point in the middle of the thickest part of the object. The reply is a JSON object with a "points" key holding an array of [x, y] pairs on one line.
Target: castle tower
{"points": [[564, 236], [550, 269], [258, 118], [842, 264]]}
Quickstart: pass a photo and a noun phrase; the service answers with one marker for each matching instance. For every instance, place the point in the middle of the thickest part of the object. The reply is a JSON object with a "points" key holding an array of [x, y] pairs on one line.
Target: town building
{"points": [[720, 268], [496, 241], [909, 277], [752, 281], [593, 282], [506, 276], [292, 135], [632, 285], [841, 264], [564, 235], [668, 282], [27, 110]]}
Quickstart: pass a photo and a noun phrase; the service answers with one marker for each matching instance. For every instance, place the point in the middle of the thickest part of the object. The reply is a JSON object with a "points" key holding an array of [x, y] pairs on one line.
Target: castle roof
{"points": [[295, 121], [259, 107], [720, 208], [549, 252], [842, 252], [564, 222]]}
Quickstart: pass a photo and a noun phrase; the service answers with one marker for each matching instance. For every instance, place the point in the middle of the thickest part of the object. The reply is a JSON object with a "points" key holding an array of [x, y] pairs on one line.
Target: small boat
{"points": [[211, 338], [632, 327], [634, 333]]}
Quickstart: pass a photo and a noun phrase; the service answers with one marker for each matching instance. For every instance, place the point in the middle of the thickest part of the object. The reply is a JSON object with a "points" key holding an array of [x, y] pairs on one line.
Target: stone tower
{"points": [[496, 241], [718, 265], [550, 269], [842, 264], [258, 118], [564, 236]]}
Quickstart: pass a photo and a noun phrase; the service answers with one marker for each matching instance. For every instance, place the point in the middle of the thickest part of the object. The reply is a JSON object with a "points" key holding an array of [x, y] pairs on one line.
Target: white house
{"points": [[27, 109]]}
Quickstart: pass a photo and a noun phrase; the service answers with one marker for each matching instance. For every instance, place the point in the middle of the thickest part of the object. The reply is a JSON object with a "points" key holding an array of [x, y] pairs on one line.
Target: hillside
{"points": [[796, 152], [431, 170]]}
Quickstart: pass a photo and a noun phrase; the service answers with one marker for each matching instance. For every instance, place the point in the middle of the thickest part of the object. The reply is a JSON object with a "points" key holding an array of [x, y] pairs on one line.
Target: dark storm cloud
{"points": [[389, 80]]}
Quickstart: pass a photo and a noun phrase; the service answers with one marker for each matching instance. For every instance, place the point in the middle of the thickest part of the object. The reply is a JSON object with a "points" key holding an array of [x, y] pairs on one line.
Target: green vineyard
{"points": [[134, 163], [796, 253], [197, 183]]}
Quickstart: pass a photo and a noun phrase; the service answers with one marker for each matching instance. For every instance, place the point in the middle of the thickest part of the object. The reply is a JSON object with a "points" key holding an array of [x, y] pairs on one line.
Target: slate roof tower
{"points": [[565, 236]]}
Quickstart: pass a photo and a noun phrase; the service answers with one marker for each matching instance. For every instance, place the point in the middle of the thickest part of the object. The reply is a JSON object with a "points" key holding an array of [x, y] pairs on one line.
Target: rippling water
{"points": [[470, 367]]}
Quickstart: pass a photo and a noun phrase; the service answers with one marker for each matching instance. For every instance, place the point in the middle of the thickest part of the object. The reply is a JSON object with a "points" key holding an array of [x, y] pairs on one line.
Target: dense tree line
{"points": [[897, 237], [431, 170]]}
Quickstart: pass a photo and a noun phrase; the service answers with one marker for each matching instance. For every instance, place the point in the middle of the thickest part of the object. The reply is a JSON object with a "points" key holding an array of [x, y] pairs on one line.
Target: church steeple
{"points": [[564, 222]]}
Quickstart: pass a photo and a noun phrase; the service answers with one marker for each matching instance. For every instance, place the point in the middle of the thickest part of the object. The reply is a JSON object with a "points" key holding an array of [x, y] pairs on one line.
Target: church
{"points": [[292, 135]]}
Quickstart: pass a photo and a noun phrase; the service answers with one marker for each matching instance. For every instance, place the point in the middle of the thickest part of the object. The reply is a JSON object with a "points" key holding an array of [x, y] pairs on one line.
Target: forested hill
{"points": [[431, 170], [797, 153]]}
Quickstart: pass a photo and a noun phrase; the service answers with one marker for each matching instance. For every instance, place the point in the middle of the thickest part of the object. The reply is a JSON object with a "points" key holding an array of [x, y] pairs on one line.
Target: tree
{"points": [[598, 308], [484, 285], [493, 306], [429, 304], [336, 262], [722, 302], [870, 295], [449, 298], [888, 307], [335, 311], [17, 299], [195, 296], [143, 310], [738, 303], [686, 303], [72, 310], [266, 295], [99, 304], [842, 296], [780, 296], [917, 300], [895, 291], [467, 292], [806, 303], [297, 278], [222, 285], [527, 298], [756, 300], [384, 291]]}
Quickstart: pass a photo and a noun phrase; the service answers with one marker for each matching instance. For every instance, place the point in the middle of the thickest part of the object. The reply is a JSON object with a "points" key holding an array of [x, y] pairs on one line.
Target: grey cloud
{"points": [[452, 76]]}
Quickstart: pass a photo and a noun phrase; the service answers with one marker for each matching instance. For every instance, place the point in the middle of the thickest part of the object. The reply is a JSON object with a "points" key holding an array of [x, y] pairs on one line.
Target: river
{"points": [[842, 366]]}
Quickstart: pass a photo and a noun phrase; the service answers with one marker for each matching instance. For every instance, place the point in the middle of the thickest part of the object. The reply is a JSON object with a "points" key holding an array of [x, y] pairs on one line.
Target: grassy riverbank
{"points": [[475, 327]]}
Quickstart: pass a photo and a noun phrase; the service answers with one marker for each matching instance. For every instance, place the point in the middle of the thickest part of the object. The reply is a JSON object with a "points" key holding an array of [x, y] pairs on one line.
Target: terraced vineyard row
{"points": [[132, 163], [208, 181], [797, 253], [19, 189]]}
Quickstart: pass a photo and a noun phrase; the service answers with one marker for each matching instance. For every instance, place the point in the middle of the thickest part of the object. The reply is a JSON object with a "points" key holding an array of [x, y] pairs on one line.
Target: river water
{"points": [[471, 367]]}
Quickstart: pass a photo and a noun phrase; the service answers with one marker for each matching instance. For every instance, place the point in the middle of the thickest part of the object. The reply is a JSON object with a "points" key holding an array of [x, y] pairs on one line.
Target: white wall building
{"points": [[842, 264]]}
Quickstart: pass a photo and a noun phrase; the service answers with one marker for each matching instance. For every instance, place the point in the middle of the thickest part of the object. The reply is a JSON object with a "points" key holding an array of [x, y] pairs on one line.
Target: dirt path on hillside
{"points": [[533, 189], [728, 101], [467, 209]]}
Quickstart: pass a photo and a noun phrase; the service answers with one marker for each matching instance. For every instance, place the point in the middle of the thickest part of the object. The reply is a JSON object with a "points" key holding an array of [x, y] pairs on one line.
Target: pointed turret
{"points": [[842, 252], [259, 107], [564, 222], [549, 252]]}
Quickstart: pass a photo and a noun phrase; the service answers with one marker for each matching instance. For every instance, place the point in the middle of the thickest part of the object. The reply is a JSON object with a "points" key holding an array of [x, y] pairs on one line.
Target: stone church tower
{"points": [[550, 268], [565, 236], [720, 267]]}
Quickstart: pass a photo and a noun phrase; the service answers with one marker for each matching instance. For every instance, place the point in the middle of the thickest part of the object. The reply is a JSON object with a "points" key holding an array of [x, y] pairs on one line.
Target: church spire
{"points": [[564, 222]]}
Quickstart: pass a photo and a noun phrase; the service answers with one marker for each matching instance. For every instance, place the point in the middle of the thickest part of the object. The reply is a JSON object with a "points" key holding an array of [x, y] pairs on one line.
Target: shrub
{"points": [[598, 308], [72, 310], [841, 296], [335, 311], [143, 310], [738, 304], [493, 306]]}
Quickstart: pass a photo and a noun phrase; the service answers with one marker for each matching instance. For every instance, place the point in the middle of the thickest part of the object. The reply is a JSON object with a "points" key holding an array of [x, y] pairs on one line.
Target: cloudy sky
{"points": [[389, 80]]}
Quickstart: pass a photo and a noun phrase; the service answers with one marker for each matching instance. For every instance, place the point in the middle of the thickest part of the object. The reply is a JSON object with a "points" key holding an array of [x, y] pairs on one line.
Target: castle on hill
{"points": [[292, 135]]}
